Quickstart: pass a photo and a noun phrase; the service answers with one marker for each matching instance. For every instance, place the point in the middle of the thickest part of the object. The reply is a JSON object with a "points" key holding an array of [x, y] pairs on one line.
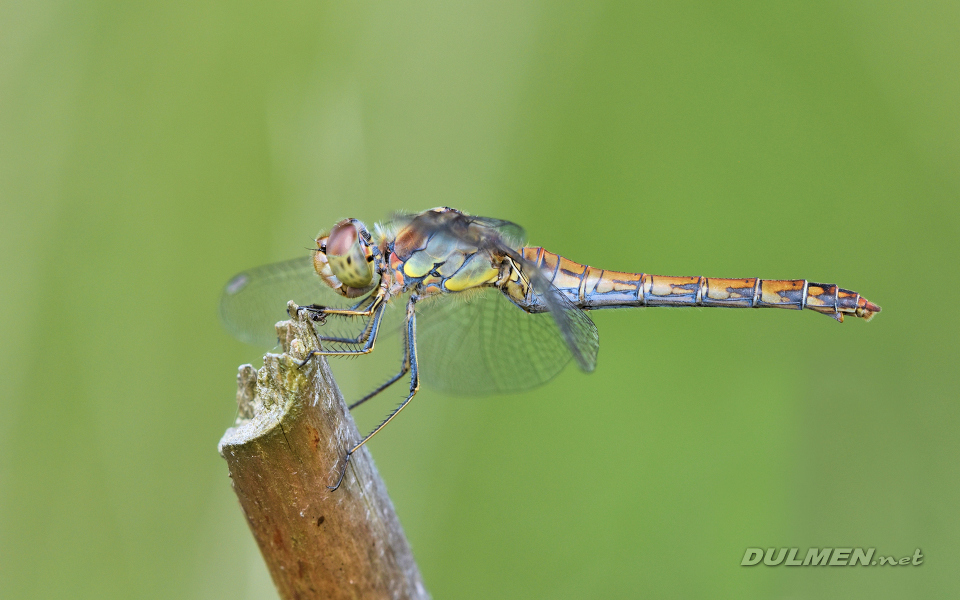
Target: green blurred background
{"points": [[150, 150]]}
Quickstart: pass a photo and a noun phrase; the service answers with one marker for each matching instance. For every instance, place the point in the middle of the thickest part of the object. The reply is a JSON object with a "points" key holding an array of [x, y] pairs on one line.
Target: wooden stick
{"points": [[289, 443]]}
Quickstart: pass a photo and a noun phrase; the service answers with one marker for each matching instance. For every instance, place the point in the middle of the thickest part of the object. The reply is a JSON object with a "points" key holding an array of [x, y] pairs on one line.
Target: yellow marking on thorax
{"points": [[476, 271]]}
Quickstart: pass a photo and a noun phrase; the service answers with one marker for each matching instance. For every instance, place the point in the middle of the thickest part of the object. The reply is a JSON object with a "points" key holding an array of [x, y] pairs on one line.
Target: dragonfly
{"points": [[484, 313]]}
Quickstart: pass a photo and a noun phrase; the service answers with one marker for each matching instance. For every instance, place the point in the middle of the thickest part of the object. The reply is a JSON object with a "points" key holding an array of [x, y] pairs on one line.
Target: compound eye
{"points": [[322, 243], [347, 255], [342, 239]]}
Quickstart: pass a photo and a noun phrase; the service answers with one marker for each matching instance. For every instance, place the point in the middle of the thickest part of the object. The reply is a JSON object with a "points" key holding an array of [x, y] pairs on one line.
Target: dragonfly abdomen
{"points": [[591, 289]]}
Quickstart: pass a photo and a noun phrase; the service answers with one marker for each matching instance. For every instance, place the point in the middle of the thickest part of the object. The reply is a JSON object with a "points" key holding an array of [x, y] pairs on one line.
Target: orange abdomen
{"points": [[591, 288]]}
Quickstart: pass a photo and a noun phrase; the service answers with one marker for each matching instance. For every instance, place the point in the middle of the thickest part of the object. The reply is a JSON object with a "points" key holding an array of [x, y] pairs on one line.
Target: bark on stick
{"points": [[288, 445]]}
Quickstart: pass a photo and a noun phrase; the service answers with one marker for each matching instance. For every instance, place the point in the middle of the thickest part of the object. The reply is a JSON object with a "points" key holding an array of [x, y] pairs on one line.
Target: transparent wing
{"points": [[254, 300], [501, 238], [484, 344], [578, 330], [513, 234]]}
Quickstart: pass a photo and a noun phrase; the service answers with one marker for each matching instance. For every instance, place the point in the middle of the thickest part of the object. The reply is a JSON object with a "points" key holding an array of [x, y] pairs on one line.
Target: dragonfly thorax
{"points": [[345, 259]]}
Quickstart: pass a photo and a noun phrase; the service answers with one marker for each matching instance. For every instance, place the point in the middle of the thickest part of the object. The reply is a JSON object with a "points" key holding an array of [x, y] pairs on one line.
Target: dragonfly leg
{"points": [[371, 297], [343, 471], [404, 369], [363, 337], [319, 314], [414, 385], [320, 308], [371, 339], [322, 311]]}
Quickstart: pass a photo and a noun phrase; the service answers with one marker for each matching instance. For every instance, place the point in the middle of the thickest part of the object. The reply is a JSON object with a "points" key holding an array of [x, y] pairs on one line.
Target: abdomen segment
{"points": [[591, 288]]}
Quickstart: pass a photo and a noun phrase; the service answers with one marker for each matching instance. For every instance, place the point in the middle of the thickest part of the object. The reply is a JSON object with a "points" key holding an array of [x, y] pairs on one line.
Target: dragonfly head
{"points": [[345, 260]]}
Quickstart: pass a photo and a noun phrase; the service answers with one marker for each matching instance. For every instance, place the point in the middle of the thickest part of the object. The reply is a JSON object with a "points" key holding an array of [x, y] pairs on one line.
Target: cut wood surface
{"points": [[288, 445]]}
